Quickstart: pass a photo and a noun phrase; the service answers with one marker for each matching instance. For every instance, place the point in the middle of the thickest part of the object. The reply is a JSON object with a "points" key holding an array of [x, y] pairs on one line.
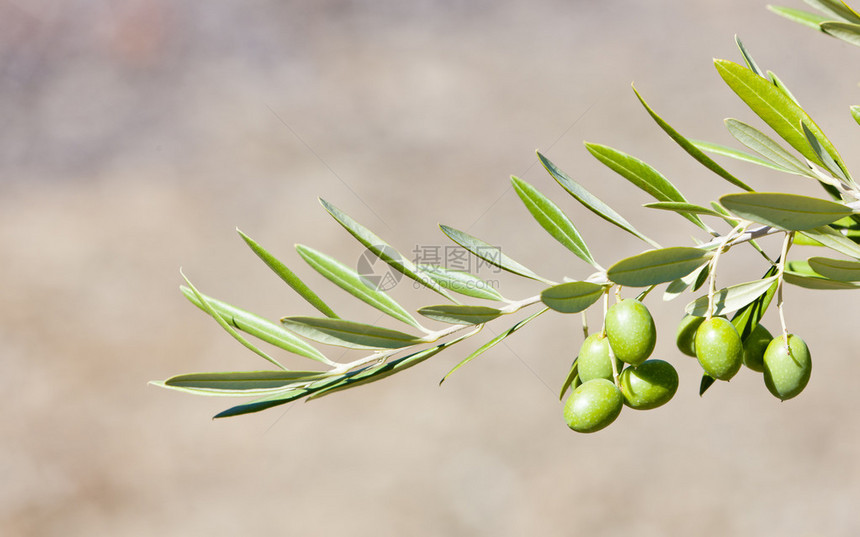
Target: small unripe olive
{"points": [[754, 348], [719, 348], [649, 385], [685, 338], [631, 332], [786, 374], [593, 361], [592, 406]]}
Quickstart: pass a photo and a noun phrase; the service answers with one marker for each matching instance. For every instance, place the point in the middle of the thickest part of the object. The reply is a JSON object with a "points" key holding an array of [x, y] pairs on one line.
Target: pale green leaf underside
{"points": [[572, 297], [846, 31], [590, 201], [640, 174], [288, 277], [553, 220], [731, 298], [833, 239], [383, 250], [691, 148], [348, 333], [817, 282], [491, 254], [351, 282], [240, 383], [836, 269], [257, 326], [657, 266], [813, 20], [776, 109], [492, 343], [790, 212], [825, 157], [748, 59], [681, 207], [460, 314], [462, 282], [766, 147], [835, 8], [730, 152]]}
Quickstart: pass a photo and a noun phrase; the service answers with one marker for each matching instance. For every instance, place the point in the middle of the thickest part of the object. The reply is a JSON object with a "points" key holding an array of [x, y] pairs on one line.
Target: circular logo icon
{"points": [[375, 271]]}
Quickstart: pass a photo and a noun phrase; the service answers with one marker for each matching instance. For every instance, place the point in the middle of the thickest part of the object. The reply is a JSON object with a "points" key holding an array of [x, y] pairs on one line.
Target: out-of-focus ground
{"points": [[136, 135]]}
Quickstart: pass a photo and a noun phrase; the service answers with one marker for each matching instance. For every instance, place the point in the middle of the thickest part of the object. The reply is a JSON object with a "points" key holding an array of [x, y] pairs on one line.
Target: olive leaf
{"points": [[492, 343], [289, 277], [462, 282], [351, 282], [781, 113], [748, 59], [813, 20], [855, 113], [680, 207], [846, 31], [590, 201], [348, 333], [657, 266], [781, 86], [459, 314], [256, 326], [240, 383], [572, 297], [747, 317], [833, 239], [553, 220], [491, 254], [691, 148], [836, 269], [767, 147], [383, 250], [725, 151], [790, 212], [641, 175], [831, 165], [835, 8], [732, 298], [571, 378]]}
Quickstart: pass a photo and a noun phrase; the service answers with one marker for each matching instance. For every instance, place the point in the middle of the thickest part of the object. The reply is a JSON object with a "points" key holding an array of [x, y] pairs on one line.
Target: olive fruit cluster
{"points": [[715, 342], [629, 337]]}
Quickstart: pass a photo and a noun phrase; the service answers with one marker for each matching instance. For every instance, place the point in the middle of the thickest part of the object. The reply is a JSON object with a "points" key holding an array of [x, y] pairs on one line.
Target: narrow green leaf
{"points": [[805, 18], [691, 148], [742, 156], [748, 317], [818, 283], [641, 175], [379, 372], [829, 164], [270, 401], [707, 382], [782, 87], [829, 237], [836, 269], [459, 314], [855, 113], [681, 207], [570, 380], [257, 326], [657, 266], [590, 201], [791, 212], [835, 8], [351, 282], [731, 298], [553, 220], [383, 250], [462, 282], [349, 333], [491, 254], [765, 146], [748, 59], [492, 343], [208, 308], [777, 110], [846, 31], [289, 277], [678, 286], [241, 383], [572, 297]]}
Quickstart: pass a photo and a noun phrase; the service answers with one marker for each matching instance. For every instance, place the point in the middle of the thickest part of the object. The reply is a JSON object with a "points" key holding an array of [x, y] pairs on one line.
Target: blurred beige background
{"points": [[136, 135]]}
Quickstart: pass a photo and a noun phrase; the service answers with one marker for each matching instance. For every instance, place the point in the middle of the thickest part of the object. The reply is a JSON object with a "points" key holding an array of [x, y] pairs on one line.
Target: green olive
{"points": [[754, 347], [631, 332], [786, 373], [719, 348], [685, 338], [593, 406], [593, 361], [649, 385]]}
